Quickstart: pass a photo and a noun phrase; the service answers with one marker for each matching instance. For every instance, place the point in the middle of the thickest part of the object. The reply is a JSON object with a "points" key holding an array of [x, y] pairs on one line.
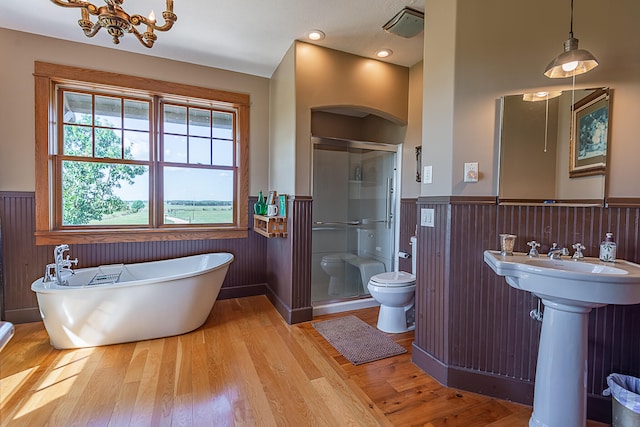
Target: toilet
{"points": [[350, 273], [335, 266], [395, 292]]}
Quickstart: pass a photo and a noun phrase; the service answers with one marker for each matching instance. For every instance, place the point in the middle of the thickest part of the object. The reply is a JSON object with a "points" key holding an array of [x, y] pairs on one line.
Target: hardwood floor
{"points": [[244, 367]]}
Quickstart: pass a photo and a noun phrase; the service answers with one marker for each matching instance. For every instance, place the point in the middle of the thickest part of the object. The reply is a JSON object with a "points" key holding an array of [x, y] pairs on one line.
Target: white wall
{"points": [[326, 77], [413, 139], [502, 47], [282, 129], [19, 51], [438, 94]]}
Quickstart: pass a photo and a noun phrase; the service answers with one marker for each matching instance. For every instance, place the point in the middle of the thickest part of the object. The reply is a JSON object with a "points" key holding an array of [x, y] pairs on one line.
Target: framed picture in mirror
{"points": [[589, 135]]}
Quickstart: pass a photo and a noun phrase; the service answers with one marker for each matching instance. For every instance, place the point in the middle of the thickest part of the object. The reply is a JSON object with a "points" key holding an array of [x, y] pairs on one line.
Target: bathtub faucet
{"points": [[60, 265]]}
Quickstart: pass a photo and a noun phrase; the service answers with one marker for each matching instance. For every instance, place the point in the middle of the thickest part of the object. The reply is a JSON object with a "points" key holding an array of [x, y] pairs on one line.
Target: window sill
{"points": [[128, 235]]}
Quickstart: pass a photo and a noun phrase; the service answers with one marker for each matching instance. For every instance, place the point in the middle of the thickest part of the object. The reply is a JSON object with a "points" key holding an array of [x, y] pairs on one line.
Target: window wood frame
{"points": [[47, 76]]}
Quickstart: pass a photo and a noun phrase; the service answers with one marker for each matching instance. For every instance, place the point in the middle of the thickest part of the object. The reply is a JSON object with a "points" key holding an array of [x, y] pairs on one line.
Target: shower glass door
{"points": [[353, 234]]}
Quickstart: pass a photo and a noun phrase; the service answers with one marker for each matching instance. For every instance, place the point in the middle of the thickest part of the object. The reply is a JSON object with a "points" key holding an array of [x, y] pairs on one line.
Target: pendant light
{"points": [[572, 61]]}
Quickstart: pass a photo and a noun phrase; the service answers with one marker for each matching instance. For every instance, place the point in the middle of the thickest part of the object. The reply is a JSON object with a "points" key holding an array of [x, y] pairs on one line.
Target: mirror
{"points": [[553, 147]]}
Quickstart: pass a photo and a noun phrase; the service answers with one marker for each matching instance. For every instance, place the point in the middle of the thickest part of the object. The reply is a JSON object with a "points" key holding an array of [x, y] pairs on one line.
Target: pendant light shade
{"points": [[572, 61]]}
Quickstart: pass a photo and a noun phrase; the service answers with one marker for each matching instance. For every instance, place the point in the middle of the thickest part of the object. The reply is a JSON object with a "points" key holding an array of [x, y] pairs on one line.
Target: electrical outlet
{"points": [[471, 172], [426, 217], [427, 176]]}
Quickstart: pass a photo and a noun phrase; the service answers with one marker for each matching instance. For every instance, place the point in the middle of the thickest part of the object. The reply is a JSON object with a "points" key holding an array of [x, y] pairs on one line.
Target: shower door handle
{"points": [[389, 203], [336, 222], [371, 221]]}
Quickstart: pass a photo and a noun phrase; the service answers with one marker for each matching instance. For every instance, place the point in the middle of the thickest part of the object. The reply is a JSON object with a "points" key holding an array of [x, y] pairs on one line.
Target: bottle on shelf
{"points": [[608, 249], [260, 207]]}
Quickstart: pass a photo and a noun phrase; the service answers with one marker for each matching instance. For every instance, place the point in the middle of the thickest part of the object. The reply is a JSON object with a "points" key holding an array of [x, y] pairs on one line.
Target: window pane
{"points": [[175, 119], [223, 153], [136, 115], [197, 196], [104, 193], [222, 125], [77, 108], [199, 122], [175, 149], [108, 112], [108, 143], [136, 145], [77, 141], [200, 151]]}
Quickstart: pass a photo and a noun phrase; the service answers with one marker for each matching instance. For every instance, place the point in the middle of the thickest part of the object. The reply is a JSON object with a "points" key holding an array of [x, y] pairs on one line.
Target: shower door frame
{"points": [[395, 197]]}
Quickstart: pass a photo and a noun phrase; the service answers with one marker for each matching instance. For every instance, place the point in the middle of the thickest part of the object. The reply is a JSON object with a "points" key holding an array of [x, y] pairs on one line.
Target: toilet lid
{"points": [[393, 278], [337, 257]]}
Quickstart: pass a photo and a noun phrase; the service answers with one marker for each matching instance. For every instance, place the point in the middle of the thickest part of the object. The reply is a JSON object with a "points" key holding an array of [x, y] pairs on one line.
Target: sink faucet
{"points": [[578, 255], [59, 265], [555, 252], [533, 253]]}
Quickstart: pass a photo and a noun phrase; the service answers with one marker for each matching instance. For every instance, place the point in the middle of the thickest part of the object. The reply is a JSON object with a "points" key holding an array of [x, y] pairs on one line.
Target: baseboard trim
{"points": [[599, 408], [23, 315], [490, 384], [429, 364], [499, 386], [291, 316], [242, 291]]}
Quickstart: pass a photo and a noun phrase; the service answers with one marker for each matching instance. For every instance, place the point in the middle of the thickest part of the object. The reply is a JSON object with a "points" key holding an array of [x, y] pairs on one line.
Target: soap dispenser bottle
{"points": [[608, 248]]}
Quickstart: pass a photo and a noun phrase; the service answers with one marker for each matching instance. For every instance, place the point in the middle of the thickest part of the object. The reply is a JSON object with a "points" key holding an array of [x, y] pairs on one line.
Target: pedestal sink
{"points": [[569, 290]]}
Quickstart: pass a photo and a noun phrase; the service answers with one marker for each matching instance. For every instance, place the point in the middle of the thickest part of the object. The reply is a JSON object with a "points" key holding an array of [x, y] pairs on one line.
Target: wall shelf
{"points": [[270, 226]]}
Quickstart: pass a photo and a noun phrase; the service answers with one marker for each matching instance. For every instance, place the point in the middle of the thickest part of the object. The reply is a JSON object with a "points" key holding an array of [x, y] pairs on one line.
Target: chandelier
{"points": [[117, 22]]}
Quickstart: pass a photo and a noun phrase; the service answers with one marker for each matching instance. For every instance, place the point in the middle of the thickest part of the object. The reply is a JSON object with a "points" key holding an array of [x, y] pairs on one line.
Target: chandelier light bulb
{"points": [[152, 17]]}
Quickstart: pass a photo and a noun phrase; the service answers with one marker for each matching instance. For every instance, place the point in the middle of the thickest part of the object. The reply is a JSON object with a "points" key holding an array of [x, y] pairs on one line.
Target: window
{"points": [[119, 158]]}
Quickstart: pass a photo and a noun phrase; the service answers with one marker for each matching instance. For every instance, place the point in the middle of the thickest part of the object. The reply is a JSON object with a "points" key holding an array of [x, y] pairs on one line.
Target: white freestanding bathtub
{"points": [[121, 303]]}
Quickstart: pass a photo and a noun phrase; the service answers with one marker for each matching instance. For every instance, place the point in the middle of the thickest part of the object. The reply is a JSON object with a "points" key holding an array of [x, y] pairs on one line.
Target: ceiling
{"points": [[248, 36]]}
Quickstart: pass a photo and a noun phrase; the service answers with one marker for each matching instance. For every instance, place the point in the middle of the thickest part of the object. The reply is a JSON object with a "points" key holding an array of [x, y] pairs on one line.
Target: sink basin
{"points": [[569, 290], [592, 266], [590, 282]]}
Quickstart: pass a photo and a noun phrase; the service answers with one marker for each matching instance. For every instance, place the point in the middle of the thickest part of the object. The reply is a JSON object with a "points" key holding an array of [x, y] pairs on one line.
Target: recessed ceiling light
{"points": [[315, 35], [384, 53]]}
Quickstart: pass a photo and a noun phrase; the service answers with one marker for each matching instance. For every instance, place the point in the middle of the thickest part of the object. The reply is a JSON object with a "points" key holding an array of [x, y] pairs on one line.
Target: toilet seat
{"points": [[393, 279]]}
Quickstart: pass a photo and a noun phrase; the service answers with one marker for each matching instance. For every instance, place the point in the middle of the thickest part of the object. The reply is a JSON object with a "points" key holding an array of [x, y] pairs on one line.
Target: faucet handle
{"points": [[578, 255], [533, 252]]}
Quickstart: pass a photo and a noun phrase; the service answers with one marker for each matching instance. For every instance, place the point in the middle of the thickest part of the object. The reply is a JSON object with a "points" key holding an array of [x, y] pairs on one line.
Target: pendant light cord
{"points": [[571, 22], [546, 123], [572, 132]]}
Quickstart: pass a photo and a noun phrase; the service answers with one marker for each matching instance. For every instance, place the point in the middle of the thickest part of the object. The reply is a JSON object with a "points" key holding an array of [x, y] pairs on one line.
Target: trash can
{"points": [[625, 390]]}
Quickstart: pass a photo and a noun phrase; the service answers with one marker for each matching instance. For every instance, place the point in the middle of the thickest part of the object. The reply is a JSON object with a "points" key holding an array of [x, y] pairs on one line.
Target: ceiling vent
{"points": [[407, 23]]}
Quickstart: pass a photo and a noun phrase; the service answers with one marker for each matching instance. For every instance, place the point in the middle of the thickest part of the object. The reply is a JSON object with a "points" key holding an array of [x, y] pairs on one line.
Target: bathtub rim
{"points": [[39, 286]]}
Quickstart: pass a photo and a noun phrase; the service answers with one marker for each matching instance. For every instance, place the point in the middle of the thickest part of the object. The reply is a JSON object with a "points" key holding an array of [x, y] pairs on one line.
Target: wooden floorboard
{"points": [[244, 367]]}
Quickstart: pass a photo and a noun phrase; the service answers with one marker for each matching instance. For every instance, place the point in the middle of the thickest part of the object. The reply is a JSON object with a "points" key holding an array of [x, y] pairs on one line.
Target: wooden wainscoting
{"points": [[24, 262], [473, 331]]}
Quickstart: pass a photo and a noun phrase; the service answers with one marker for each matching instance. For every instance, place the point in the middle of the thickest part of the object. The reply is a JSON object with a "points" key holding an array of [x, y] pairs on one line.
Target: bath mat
{"points": [[357, 341]]}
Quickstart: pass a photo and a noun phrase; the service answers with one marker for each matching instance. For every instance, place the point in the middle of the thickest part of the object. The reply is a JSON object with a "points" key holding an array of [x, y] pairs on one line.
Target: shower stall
{"points": [[354, 211]]}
